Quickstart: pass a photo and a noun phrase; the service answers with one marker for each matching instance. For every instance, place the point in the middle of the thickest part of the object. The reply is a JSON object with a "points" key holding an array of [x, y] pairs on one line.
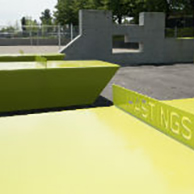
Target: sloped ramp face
{"points": [[100, 150], [52, 84]]}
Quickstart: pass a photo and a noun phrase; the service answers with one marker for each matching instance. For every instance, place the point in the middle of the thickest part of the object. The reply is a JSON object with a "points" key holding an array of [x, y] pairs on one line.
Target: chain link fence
{"points": [[37, 35], [176, 32]]}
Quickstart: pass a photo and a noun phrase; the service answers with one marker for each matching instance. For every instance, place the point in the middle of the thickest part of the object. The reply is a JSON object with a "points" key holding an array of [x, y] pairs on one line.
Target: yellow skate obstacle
{"points": [[139, 145]]}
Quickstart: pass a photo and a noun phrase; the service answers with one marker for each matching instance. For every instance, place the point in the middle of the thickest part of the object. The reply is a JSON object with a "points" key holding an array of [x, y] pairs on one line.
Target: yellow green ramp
{"points": [[52, 84], [100, 150]]}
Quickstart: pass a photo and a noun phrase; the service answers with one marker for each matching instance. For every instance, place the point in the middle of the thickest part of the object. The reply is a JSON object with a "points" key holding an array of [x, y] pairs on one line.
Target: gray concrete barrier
{"points": [[97, 31]]}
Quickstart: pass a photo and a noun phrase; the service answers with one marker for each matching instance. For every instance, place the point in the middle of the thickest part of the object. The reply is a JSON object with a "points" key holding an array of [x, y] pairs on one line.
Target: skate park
{"points": [[137, 139]]}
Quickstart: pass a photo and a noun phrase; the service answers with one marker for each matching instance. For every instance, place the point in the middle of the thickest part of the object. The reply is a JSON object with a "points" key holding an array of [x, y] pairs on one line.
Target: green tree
{"points": [[119, 9], [159, 6], [134, 8], [125, 8], [46, 18], [184, 6], [29, 25], [67, 10], [99, 4], [23, 24], [9, 29]]}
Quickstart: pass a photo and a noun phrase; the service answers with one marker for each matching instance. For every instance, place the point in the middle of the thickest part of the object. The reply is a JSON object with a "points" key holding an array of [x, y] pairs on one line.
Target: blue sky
{"points": [[13, 10]]}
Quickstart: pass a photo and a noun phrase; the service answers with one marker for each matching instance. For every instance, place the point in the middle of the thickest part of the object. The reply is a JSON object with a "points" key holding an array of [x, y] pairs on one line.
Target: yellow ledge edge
{"points": [[170, 120]]}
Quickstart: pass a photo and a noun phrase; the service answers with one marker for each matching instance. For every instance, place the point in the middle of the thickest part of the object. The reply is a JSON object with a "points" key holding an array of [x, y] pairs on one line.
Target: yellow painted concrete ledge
{"points": [[100, 150]]}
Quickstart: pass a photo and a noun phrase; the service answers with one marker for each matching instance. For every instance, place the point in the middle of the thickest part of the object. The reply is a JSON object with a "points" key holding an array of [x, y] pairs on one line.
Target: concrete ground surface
{"points": [[28, 49], [164, 82]]}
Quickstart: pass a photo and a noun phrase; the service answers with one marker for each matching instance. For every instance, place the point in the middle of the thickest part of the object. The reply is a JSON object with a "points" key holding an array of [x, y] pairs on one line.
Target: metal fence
{"points": [[179, 32], [38, 34]]}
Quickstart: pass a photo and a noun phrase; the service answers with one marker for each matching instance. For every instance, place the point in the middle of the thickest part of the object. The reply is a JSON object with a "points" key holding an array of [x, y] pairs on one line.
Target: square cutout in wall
{"points": [[119, 45]]}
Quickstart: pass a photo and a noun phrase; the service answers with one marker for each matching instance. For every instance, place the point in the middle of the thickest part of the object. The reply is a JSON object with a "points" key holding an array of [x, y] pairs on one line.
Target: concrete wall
{"points": [[95, 40], [97, 30]]}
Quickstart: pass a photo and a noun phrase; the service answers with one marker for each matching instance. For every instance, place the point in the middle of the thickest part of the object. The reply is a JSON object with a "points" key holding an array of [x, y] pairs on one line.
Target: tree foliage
{"points": [[28, 24], [46, 18], [119, 9], [8, 29], [67, 10]]}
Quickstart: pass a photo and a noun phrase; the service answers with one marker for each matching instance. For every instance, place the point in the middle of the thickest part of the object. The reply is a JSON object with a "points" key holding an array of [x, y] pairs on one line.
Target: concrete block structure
{"points": [[95, 40]]}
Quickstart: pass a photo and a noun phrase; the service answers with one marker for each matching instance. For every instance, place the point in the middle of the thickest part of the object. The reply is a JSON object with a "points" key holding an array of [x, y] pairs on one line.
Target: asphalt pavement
{"points": [[163, 82]]}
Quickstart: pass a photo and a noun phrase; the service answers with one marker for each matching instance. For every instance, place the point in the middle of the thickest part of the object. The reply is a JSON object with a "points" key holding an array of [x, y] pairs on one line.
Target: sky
{"points": [[13, 10]]}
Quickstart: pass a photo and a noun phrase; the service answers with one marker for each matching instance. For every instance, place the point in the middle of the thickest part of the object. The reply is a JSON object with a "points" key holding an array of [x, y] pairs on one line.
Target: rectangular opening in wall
{"points": [[120, 44]]}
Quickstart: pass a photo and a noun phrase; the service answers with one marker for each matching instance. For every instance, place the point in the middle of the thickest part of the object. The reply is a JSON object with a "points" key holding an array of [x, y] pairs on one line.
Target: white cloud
{"points": [[13, 10]]}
